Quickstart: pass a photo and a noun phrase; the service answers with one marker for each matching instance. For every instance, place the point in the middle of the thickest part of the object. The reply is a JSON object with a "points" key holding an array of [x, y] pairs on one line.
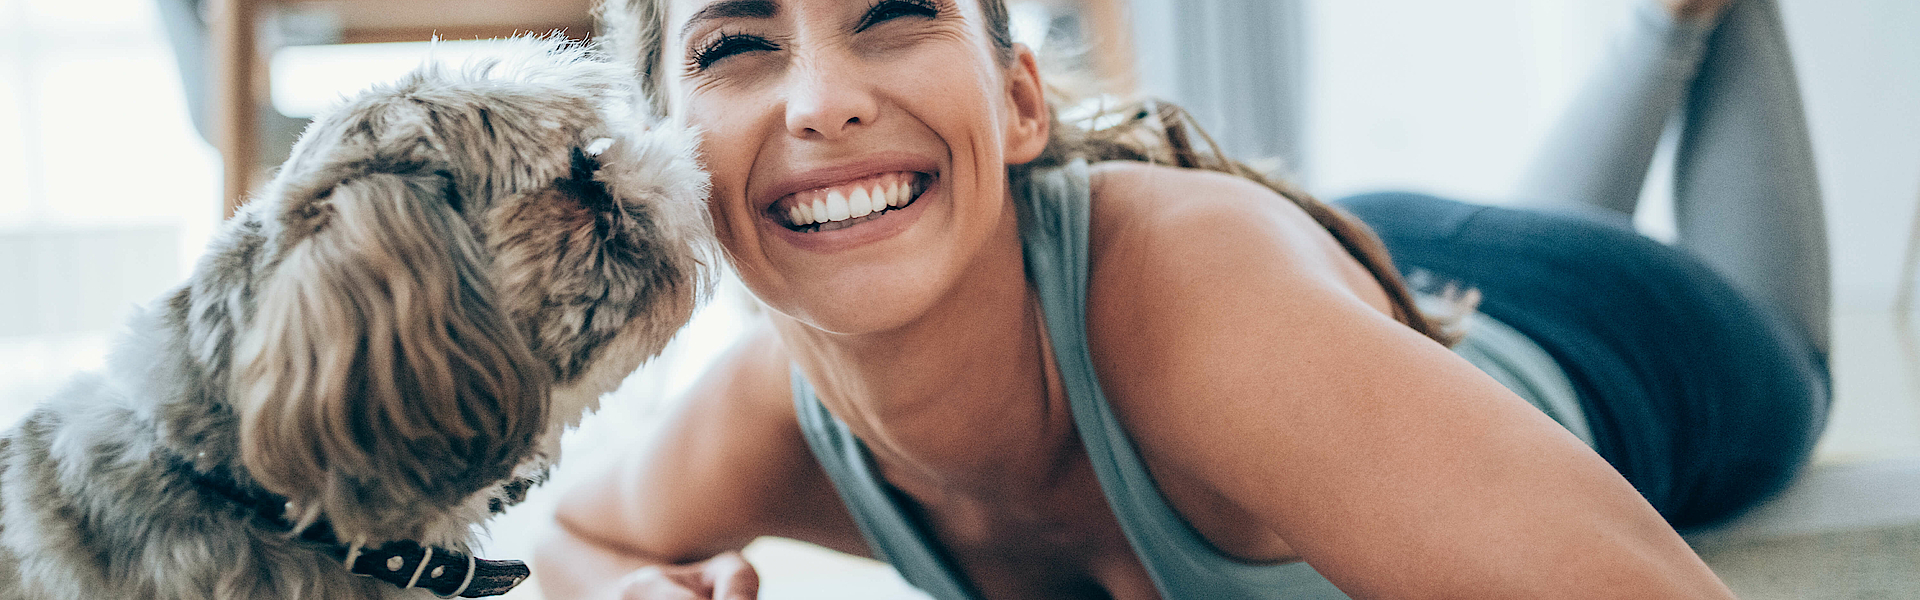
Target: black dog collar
{"points": [[404, 563]]}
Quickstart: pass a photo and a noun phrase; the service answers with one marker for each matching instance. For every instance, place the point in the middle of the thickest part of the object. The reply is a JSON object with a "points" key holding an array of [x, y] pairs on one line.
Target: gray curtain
{"points": [[1238, 65]]}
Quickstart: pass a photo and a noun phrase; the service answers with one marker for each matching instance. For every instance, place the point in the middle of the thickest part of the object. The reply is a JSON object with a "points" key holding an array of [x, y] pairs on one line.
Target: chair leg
{"points": [[1910, 271], [239, 138]]}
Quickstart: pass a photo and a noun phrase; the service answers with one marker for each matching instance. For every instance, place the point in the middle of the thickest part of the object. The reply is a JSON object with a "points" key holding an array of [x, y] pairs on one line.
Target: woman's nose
{"points": [[826, 100]]}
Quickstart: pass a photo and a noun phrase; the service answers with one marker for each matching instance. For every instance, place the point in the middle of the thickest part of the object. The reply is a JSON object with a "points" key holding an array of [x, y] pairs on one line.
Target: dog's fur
{"points": [[441, 279]]}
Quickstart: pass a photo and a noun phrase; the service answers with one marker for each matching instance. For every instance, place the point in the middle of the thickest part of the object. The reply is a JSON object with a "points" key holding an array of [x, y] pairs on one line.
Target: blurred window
{"points": [[106, 191]]}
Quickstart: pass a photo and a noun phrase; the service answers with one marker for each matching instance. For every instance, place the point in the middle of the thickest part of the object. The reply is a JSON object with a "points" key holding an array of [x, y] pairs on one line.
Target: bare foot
{"points": [[1695, 9]]}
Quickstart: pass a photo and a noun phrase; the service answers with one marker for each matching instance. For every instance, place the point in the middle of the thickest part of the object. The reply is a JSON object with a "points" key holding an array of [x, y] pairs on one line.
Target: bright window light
{"points": [[1029, 23], [308, 79]]}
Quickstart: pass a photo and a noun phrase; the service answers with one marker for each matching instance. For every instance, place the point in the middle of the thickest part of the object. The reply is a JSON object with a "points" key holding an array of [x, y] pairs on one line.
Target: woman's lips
{"points": [[851, 233], [848, 204]]}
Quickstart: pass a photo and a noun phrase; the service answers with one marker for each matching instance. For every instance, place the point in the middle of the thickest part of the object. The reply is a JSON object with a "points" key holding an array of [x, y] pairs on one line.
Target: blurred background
{"points": [[112, 113]]}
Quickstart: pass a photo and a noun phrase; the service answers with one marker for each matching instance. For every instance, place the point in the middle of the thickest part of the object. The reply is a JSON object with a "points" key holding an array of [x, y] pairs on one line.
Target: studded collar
{"points": [[405, 563]]}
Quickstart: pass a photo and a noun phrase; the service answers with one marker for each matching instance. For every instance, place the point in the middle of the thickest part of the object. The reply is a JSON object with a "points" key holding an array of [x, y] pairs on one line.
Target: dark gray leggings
{"points": [[1705, 399], [1701, 368]]}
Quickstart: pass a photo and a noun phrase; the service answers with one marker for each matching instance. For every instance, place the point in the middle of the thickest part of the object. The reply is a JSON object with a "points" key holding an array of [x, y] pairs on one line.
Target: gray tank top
{"points": [[1054, 212]]}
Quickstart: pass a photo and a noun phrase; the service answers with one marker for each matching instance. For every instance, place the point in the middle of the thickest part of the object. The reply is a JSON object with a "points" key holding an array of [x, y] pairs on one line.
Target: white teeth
{"points": [[886, 192], [837, 209], [859, 204]]}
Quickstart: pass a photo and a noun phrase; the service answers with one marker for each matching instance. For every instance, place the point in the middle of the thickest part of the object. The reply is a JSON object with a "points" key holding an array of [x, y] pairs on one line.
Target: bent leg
{"points": [[1746, 195], [1599, 153]]}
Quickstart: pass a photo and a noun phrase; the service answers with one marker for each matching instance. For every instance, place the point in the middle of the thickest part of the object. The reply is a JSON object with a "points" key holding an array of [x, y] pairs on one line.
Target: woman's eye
{"points": [[728, 45], [887, 10]]}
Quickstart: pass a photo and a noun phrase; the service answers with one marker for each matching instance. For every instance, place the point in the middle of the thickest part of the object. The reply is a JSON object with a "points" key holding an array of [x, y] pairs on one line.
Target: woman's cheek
{"points": [[955, 88]]}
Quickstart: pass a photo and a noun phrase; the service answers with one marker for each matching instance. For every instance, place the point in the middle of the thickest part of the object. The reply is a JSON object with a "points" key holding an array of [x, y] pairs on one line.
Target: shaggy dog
{"points": [[376, 354]]}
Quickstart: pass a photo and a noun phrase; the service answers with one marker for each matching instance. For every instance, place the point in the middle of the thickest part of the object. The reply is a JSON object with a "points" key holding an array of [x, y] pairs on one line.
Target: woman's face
{"points": [[858, 148]]}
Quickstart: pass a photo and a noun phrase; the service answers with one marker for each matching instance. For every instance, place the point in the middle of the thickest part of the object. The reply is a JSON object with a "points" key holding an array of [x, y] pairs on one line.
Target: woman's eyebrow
{"points": [[726, 9]]}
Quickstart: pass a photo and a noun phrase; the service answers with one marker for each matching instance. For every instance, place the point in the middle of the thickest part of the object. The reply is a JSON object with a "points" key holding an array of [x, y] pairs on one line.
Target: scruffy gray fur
{"points": [[447, 273]]}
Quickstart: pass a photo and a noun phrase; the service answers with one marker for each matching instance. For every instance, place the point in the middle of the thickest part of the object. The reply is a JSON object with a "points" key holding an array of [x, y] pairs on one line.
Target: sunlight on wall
{"points": [[1443, 97]]}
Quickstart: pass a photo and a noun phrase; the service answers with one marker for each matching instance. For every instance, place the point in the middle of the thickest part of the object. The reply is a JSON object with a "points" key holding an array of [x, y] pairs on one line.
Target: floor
{"points": [[1848, 529]]}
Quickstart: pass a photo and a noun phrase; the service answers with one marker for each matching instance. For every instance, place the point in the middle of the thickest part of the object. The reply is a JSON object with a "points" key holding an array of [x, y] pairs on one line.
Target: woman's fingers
{"points": [[732, 578], [723, 577], [664, 583]]}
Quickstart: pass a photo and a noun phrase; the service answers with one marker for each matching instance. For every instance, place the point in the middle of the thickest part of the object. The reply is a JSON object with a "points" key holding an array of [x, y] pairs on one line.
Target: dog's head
{"points": [[455, 267]]}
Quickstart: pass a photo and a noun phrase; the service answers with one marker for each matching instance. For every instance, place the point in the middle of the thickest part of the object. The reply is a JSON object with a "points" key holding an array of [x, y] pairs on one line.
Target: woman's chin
{"points": [[872, 300]]}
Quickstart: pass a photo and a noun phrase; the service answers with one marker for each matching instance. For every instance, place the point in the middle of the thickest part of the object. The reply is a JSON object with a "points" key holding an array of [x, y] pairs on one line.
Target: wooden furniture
{"points": [[1909, 272], [241, 81]]}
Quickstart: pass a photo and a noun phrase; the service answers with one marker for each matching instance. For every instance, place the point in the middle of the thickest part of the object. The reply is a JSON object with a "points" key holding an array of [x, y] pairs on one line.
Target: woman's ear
{"points": [[1030, 121], [378, 369]]}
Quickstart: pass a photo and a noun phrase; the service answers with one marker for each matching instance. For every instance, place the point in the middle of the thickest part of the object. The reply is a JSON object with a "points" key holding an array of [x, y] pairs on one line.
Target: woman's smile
{"points": [[853, 213], [848, 204]]}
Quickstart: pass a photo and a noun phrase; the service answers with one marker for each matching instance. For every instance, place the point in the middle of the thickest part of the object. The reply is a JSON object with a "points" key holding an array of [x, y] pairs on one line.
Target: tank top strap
{"points": [[892, 535], [1056, 216]]}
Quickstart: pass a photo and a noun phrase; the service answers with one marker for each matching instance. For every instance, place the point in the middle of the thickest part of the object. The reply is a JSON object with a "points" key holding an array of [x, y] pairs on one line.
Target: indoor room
{"points": [[131, 131]]}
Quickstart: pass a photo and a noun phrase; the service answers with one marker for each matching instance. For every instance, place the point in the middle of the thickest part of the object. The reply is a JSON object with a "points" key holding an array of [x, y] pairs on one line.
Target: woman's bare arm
{"points": [[729, 466], [1240, 354]]}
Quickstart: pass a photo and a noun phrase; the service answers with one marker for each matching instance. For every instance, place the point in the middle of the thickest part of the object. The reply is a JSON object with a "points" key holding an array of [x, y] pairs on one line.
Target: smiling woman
{"points": [[1017, 357]]}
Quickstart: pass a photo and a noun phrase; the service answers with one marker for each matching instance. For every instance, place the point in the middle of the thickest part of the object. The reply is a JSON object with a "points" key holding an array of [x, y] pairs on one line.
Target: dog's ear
{"points": [[377, 366]]}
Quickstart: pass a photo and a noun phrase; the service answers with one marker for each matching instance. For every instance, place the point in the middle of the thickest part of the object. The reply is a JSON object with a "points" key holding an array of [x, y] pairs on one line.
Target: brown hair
{"points": [[1146, 131]]}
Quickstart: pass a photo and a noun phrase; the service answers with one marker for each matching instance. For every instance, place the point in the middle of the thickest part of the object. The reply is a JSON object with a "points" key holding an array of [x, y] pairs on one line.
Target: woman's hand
{"points": [[729, 466], [723, 577]]}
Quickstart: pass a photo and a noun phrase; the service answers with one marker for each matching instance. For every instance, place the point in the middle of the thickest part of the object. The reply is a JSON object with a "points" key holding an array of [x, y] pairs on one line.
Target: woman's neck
{"points": [[960, 401]]}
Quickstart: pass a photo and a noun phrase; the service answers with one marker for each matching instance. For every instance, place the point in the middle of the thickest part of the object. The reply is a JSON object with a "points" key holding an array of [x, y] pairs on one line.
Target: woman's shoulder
{"points": [[1191, 267], [753, 374], [1157, 221], [1125, 190]]}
